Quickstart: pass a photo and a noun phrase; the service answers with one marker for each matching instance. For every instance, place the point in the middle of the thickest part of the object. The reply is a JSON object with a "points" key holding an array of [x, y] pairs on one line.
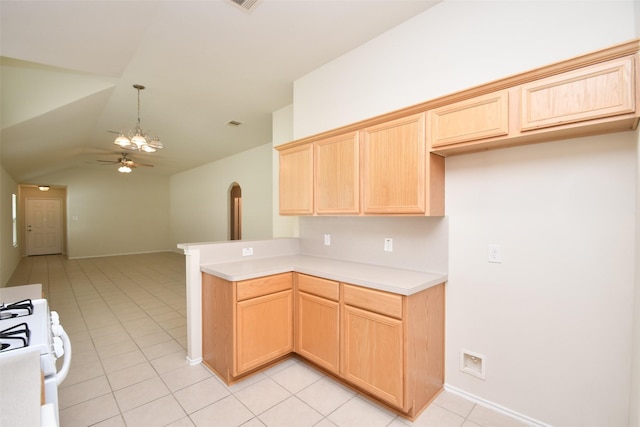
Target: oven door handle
{"points": [[66, 364]]}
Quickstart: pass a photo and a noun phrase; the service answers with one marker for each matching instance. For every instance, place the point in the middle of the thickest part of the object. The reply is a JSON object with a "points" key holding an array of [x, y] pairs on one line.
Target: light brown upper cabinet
{"points": [[588, 95], [593, 92], [472, 119], [384, 169], [399, 176], [296, 180], [394, 166], [337, 174]]}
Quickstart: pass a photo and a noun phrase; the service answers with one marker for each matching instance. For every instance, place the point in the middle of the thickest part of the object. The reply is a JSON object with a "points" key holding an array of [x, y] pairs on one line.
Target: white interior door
{"points": [[44, 226]]}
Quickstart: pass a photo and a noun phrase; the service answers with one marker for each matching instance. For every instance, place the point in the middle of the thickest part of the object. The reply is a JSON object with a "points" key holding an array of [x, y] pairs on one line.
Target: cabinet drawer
{"points": [[263, 286], [320, 287], [373, 300]]}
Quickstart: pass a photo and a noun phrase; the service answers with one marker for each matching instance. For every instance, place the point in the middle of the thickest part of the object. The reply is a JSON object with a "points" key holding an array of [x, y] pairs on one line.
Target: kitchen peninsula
{"points": [[376, 328]]}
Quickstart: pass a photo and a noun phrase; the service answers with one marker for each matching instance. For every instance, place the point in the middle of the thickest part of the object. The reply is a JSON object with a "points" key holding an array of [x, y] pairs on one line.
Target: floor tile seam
{"points": [[62, 387], [166, 372], [322, 416], [88, 399], [322, 376], [465, 417], [203, 407], [122, 412], [339, 406], [111, 385], [270, 407], [116, 416]]}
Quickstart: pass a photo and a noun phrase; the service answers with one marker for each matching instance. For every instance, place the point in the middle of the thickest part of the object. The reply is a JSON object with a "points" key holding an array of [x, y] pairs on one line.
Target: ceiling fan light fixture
{"points": [[122, 141], [155, 143], [137, 139], [124, 169]]}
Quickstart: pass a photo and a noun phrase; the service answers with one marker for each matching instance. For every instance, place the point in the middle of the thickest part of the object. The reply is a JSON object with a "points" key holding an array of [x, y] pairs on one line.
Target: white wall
{"points": [[634, 399], [111, 213], [200, 198], [282, 130], [555, 318], [419, 243], [9, 256], [452, 46]]}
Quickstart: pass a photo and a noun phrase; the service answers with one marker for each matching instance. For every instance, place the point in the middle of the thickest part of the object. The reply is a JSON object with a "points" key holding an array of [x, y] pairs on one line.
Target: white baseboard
{"points": [[195, 361], [491, 405]]}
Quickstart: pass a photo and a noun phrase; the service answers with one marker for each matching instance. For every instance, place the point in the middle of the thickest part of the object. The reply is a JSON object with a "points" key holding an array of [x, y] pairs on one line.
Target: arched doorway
{"points": [[235, 212]]}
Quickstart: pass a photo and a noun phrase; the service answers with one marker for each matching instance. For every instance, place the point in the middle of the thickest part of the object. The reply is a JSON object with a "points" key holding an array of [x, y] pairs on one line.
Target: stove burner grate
{"points": [[16, 309], [20, 334]]}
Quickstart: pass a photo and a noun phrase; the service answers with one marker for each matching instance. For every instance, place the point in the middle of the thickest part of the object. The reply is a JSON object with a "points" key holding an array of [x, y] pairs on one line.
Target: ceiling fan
{"points": [[126, 164]]}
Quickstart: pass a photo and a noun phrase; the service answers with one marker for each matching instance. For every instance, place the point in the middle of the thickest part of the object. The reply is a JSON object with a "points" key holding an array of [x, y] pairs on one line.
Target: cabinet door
{"points": [[338, 175], [264, 330], [296, 180], [469, 120], [373, 354], [317, 333], [593, 92], [394, 167]]}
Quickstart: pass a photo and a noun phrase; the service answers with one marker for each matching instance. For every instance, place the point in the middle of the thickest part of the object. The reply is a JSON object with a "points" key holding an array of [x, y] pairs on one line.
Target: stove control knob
{"points": [[55, 318], [57, 330], [58, 347]]}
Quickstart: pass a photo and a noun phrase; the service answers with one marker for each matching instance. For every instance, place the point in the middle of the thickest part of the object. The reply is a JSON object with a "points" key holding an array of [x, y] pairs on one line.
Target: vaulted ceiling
{"points": [[67, 70]]}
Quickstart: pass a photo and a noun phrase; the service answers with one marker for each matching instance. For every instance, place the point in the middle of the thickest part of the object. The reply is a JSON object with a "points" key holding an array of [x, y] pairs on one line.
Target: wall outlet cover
{"points": [[473, 363]]}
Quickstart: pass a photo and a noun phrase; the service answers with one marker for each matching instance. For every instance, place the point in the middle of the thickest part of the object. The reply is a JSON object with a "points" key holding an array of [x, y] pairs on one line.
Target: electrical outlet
{"points": [[495, 253], [247, 251], [327, 239], [388, 244]]}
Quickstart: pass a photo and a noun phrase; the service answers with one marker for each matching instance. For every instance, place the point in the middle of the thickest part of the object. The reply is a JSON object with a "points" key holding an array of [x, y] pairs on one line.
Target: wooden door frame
{"points": [[235, 211]]}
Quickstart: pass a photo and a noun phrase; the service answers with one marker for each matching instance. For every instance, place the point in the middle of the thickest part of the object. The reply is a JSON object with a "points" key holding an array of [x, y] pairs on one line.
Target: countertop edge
{"points": [[404, 282]]}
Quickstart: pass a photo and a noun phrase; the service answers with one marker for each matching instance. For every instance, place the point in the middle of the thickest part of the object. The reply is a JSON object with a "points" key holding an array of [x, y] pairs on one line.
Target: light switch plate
{"points": [[495, 253]]}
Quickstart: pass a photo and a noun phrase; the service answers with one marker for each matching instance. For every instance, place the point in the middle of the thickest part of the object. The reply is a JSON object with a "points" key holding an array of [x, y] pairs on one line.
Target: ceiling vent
{"points": [[234, 123], [245, 4]]}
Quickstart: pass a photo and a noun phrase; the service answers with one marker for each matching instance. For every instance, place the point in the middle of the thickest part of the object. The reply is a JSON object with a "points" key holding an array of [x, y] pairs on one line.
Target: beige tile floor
{"points": [[126, 319]]}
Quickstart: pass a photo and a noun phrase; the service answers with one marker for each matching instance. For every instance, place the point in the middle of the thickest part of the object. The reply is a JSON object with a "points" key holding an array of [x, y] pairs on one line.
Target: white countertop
{"points": [[399, 281]]}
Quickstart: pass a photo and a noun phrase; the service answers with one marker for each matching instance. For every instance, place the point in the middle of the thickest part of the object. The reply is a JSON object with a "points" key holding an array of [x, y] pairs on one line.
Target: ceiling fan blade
{"points": [[143, 164], [107, 161]]}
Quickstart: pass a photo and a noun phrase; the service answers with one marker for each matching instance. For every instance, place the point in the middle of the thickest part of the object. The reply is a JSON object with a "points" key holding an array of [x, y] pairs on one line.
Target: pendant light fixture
{"points": [[138, 140]]}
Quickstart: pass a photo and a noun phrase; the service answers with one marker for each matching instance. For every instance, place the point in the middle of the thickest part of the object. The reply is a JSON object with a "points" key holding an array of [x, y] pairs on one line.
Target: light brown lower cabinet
{"points": [[317, 321], [246, 324], [373, 354], [388, 346], [393, 345]]}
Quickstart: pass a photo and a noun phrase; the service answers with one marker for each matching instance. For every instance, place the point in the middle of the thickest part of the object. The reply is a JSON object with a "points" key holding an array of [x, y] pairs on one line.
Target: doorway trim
{"points": [[235, 211]]}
